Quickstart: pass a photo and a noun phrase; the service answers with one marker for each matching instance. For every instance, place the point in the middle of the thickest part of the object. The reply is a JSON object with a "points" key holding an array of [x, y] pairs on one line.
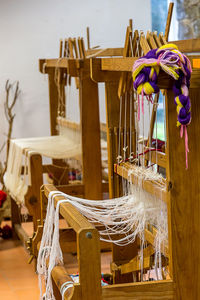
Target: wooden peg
{"points": [[135, 41], [75, 47], [131, 24], [168, 23], [65, 48], [80, 48], [83, 48], [88, 37], [61, 48], [162, 39], [122, 81], [157, 41], [144, 44]]}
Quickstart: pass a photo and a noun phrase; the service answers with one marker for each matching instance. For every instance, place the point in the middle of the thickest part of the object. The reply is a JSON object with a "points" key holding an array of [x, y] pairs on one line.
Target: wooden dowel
{"points": [[73, 217], [60, 276], [61, 48], [83, 48], [88, 37], [168, 23]]}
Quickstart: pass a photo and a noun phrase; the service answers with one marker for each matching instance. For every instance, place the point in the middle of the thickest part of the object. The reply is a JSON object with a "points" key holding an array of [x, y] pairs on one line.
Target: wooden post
{"points": [[32, 199], [112, 121], [184, 208], [90, 132], [89, 264], [53, 101]]}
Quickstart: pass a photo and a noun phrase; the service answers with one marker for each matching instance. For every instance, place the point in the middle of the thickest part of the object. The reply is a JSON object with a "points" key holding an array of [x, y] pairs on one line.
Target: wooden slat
{"points": [[162, 39], [148, 186], [69, 212], [122, 81], [106, 52], [157, 41], [144, 44], [188, 46], [135, 263], [168, 23], [88, 37], [61, 48], [157, 290], [151, 40], [118, 64]]}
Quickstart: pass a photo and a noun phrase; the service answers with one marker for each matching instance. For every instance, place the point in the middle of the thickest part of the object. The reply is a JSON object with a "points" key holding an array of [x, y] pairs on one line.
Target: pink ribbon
{"points": [[138, 107], [184, 128], [143, 101]]}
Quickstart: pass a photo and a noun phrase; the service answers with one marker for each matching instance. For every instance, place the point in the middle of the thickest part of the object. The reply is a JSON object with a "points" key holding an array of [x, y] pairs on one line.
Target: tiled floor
{"points": [[18, 279]]}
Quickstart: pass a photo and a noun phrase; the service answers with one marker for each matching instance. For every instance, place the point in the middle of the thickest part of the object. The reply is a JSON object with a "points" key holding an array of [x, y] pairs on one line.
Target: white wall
{"points": [[31, 29]]}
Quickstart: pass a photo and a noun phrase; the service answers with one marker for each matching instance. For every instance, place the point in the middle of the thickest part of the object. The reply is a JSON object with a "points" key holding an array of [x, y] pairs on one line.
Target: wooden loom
{"points": [[90, 132], [182, 199], [37, 169]]}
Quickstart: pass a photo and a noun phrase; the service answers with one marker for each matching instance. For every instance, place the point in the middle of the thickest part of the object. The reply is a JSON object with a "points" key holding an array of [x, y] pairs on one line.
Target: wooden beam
{"points": [[73, 217], [126, 64], [118, 64], [105, 52], [98, 75], [148, 186], [157, 290], [188, 46]]}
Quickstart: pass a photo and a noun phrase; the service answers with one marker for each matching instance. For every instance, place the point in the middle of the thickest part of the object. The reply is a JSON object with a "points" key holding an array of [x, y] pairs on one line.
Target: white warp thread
{"points": [[64, 146], [128, 216]]}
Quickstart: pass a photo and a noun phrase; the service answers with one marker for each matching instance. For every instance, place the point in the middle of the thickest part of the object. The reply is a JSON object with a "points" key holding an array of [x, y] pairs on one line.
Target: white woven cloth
{"points": [[57, 147]]}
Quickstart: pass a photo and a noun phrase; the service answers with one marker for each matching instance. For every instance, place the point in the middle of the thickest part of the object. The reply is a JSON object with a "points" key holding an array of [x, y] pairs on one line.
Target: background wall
{"points": [[30, 30]]}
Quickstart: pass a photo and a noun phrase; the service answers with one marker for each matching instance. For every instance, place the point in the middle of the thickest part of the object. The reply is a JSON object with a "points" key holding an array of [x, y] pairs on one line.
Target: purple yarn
{"points": [[180, 86]]}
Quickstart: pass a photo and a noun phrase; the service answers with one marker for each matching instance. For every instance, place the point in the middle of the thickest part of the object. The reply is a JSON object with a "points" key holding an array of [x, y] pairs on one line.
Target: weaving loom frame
{"points": [[182, 199], [32, 199]]}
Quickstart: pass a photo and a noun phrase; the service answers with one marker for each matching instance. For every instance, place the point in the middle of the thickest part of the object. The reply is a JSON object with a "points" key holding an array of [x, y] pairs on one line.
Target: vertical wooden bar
{"points": [[88, 37], [112, 120], [169, 17], [90, 130], [53, 101], [89, 264], [185, 201], [32, 199]]}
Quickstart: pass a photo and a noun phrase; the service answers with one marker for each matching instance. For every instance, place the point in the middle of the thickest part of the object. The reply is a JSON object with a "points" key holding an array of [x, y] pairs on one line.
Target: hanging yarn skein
{"points": [[145, 75]]}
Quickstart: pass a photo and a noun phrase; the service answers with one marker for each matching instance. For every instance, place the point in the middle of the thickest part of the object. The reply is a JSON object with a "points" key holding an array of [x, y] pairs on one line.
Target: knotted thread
{"points": [[145, 75]]}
